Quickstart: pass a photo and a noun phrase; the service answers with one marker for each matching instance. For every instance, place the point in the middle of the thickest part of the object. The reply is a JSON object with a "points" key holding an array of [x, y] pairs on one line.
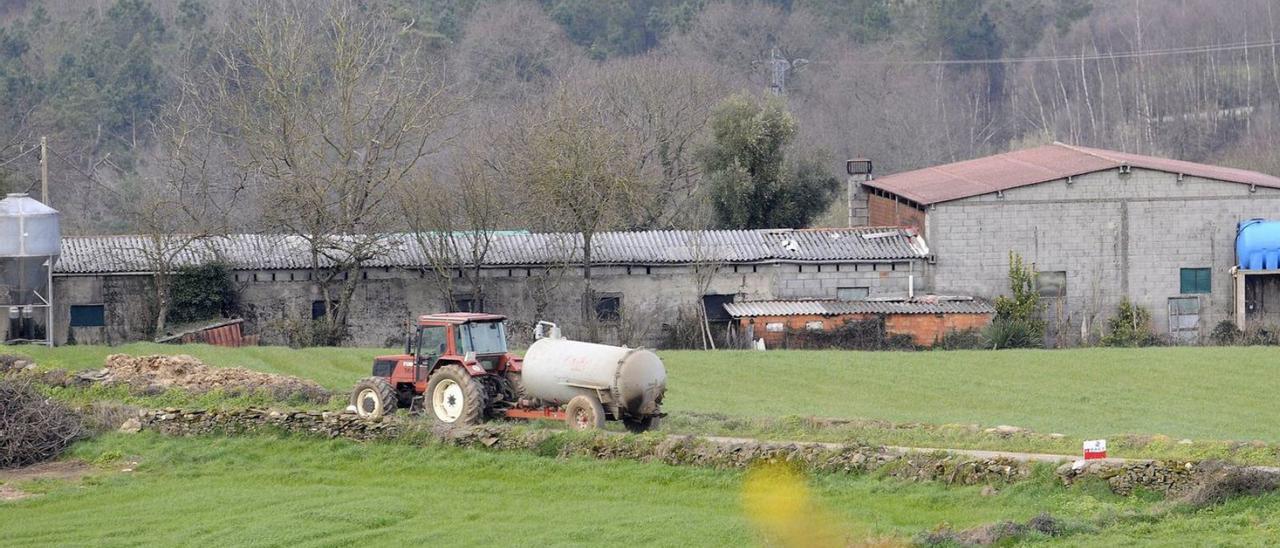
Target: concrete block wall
{"points": [[822, 281], [1114, 235]]}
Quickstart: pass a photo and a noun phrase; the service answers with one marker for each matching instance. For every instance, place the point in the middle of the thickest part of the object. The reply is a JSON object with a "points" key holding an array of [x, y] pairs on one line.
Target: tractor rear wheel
{"points": [[454, 397], [584, 413], [640, 426], [374, 397]]}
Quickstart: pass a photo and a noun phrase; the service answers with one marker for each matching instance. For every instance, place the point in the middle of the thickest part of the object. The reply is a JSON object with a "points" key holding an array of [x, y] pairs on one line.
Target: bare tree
{"points": [[179, 201], [664, 103], [512, 49], [454, 226], [333, 107], [579, 175]]}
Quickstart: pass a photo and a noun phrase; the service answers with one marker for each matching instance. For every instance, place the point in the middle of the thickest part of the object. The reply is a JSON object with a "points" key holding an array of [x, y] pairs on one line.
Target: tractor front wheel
{"points": [[455, 397], [584, 413], [374, 397]]}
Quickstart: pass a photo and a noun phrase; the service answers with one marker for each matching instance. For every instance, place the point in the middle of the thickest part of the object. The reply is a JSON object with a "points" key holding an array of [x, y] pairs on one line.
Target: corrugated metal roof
{"points": [[100, 254], [840, 308], [1038, 165]]}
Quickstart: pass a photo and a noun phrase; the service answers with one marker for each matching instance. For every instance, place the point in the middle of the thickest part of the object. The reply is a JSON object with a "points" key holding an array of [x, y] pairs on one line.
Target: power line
{"points": [[1185, 50], [15, 158], [91, 178]]}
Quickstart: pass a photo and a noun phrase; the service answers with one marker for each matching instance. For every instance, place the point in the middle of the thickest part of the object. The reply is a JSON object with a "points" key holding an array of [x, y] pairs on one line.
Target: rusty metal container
{"points": [[557, 369]]}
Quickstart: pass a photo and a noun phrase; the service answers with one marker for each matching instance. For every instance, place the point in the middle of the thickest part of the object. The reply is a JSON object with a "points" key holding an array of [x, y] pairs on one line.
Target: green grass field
{"points": [[1197, 393], [288, 491], [296, 491]]}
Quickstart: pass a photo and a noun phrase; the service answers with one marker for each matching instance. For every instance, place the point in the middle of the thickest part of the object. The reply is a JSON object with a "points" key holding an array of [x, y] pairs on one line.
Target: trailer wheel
{"points": [[584, 413], [454, 397], [640, 426], [374, 397]]}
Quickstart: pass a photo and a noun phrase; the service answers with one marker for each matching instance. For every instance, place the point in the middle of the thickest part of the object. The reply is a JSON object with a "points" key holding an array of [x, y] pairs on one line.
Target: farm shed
{"points": [[641, 280], [926, 319], [1100, 226]]}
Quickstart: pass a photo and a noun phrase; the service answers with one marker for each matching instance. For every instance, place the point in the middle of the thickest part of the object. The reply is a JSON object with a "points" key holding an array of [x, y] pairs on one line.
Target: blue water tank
{"points": [[1258, 245]]}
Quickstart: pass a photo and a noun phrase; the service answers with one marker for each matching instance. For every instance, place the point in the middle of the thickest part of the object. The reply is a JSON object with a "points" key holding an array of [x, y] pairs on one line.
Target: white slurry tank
{"points": [[628, 383]]}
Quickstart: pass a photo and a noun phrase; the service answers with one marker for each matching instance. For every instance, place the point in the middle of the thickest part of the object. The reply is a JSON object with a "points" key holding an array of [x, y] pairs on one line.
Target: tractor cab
{"points": [[439, 336]]}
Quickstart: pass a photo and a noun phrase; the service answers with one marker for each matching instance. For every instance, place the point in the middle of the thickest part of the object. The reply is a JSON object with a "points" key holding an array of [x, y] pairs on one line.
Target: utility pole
{"points": [[44, 170]]}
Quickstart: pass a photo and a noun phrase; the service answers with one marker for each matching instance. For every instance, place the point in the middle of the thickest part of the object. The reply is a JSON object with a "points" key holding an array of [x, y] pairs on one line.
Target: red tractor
{"points": [[457, 368]]}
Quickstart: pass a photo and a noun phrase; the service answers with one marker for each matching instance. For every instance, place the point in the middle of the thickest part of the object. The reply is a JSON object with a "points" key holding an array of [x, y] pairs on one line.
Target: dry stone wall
{"points": [[1172, 478]]}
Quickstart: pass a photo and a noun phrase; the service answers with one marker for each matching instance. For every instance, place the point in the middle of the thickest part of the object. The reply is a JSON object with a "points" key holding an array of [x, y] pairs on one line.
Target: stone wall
{"points": [[1172, 479], [673, 450], [1113, 234]]}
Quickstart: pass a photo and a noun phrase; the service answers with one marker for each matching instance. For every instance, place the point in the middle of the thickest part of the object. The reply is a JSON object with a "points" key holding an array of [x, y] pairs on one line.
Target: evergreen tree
{"points": [[753, 183]]}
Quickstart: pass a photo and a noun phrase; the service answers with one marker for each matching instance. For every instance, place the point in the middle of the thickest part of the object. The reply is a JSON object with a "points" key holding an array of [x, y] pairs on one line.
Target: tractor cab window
{"points": [[482, 338], [432, 341]]}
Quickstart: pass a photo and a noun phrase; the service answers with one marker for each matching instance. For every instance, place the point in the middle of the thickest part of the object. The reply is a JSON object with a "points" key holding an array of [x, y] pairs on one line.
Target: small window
{"points": [[609, 308], [1052, 283], [814, 325], [714, 305], [319, 309], [466, 302], [88, 315], [852, 293], [774, 327], [1195, 280]]}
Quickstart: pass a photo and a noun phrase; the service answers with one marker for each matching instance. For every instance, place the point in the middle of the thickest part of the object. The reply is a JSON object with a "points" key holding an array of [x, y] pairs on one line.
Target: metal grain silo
{"points": [[30, 243]]}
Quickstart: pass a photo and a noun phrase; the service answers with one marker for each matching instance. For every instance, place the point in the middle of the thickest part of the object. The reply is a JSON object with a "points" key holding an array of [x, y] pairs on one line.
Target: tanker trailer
{"points": [[595, 381]]}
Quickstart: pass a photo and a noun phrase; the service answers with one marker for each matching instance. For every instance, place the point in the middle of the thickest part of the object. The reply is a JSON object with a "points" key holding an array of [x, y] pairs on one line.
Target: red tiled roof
{"points": [[1038, 165]]}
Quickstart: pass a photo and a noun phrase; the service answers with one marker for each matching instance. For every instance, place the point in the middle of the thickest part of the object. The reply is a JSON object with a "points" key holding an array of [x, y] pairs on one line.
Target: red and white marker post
{"points": [[1095, 449]]}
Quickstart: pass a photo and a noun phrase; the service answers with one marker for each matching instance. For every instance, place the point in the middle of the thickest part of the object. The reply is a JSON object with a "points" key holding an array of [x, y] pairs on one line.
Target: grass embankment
{"points": [[296, 491], [1143, 400]]}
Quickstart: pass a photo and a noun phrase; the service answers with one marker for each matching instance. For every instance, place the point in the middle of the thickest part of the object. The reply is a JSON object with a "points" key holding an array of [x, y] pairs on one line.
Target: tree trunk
{"points": [[588, 295], [163, 298]]}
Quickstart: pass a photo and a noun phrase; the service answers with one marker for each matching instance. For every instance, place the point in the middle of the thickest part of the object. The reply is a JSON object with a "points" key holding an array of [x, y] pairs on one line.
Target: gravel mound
{"points": [[158, 373]]}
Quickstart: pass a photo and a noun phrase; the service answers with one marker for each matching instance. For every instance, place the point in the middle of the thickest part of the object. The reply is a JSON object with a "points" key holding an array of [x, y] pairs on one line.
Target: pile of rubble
{"points": [[155, 374], [11, 364]]}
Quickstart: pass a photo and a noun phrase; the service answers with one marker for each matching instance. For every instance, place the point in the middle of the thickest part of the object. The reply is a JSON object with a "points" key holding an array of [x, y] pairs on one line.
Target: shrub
{"points": [[1130, 327], [203, 292], [965, 339], [868, 334], [1013, 333], [33, 428], [1262, 335], [1226, 334], [1022, 310], [1230, 482], [684, 332]]}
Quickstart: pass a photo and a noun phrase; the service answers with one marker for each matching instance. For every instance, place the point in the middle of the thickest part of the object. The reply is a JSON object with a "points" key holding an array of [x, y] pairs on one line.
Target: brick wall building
{"points": [[1099, 226], [926, 319]]}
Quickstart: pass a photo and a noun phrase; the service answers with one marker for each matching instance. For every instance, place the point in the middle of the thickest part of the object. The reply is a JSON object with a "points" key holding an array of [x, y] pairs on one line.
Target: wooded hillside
{"points": [[196, 115]]}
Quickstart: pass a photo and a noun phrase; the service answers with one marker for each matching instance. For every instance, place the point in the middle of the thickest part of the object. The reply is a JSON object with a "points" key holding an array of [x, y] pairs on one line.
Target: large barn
{"points": [[642, 281], [1099, 226]]}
